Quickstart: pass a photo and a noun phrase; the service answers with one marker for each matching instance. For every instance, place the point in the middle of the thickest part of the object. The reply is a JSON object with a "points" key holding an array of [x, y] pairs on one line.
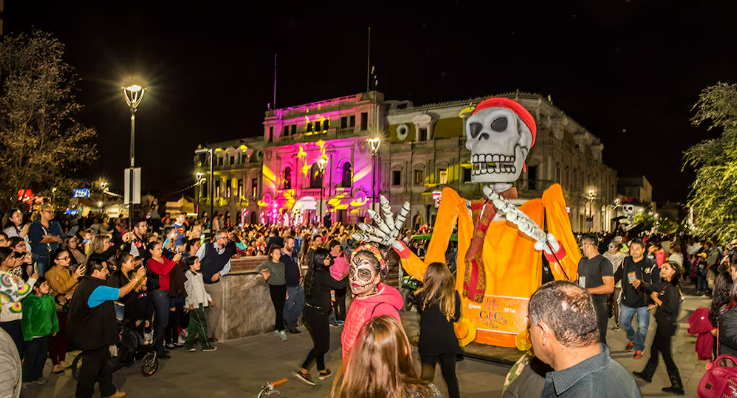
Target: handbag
{"points": [[720, 379]]}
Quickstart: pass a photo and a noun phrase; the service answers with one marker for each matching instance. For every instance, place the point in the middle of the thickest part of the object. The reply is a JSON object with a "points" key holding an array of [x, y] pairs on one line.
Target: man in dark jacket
{"points": [[636, 302], [215, 260], [92, 327]]}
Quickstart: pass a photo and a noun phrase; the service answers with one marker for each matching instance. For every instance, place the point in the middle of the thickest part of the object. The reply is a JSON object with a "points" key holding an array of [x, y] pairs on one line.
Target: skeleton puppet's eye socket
{"points": [[499, 125], [475, 129]]}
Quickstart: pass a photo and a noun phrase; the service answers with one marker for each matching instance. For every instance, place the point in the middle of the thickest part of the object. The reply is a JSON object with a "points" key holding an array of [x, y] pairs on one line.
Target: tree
{"points": [[714, 191], [645, 220], [41, 143]]}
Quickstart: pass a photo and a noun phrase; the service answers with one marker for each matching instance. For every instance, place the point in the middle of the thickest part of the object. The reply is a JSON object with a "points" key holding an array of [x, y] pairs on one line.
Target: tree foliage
{"points": [[41, 143], [645, 220], [714, 191]]}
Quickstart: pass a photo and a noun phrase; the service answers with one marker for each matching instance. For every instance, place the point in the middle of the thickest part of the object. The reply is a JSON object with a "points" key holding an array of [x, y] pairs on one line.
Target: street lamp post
{"points": [[212, 180], [133, 95], [321, 163], [197, 192], [591, 196], [375, 144]]}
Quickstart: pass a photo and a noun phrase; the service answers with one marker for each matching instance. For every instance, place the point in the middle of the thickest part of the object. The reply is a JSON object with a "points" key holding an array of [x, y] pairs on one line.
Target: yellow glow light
{"points": [[134, 88], [362, 173], [306, 169], [268, 174], [301, 152]]}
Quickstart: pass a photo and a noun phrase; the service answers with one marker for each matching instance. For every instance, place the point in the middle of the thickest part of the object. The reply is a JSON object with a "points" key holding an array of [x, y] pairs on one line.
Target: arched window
{"points": [[287, 178], [347, 176], [315, 176]]}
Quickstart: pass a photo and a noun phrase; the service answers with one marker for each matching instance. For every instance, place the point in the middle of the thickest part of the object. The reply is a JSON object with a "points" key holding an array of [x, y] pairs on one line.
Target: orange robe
{"points": [[513, 266]]}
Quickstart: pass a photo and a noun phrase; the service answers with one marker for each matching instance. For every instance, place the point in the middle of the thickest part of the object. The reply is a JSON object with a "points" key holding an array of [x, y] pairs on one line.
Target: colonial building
{"points": [[332, 157]]}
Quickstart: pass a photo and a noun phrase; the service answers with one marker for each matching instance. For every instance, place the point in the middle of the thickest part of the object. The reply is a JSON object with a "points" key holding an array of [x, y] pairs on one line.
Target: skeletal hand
{"points": [[517, 217], [388, 229]]}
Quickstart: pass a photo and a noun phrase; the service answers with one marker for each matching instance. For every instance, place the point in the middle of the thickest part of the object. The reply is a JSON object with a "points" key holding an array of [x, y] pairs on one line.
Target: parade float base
{"points": [[484, 352]]}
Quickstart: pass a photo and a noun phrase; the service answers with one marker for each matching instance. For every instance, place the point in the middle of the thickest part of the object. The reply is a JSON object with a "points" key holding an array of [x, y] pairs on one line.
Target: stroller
{"points": [[132, 344]]}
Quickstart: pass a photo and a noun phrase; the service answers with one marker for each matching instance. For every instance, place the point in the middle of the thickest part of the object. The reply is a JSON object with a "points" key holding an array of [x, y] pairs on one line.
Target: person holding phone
{"points": [[635, 302], [45, 236]]}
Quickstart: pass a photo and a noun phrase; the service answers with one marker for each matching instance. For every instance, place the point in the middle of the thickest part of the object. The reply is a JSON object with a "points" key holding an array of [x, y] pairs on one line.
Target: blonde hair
{"points": [[380, 364], [98, 243], [439, 287]]}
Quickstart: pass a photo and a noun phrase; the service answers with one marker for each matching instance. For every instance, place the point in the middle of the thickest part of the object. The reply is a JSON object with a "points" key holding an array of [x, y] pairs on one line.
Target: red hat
{"points": [[515, 107]]}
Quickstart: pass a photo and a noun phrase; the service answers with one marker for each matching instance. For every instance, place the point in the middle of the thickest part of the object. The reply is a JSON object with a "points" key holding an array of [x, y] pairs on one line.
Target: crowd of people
{"points": [[66, 281]]}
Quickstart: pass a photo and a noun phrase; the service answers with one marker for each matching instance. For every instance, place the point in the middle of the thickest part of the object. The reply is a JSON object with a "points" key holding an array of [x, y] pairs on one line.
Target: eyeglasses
{"points": [[63, 258], [49, 211]]}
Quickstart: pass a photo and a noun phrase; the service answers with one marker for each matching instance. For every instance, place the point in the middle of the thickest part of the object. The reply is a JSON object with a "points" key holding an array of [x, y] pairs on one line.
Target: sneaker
{"points": [[304, 378], [616, 327], [179, 344], [630, 346], [340, 323], [283, 335], [209, 349], [171, 346], [335, 324], [63, 365], [118, 394], [638, 354], [325, 375], [191, 349], [41, 381], [213, 339], [57, 369], [29, 384]]}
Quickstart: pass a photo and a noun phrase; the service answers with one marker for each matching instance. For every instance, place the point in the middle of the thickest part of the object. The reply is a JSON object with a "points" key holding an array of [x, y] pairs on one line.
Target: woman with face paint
{"points": [[318, 283], [273, 271], [372, 298]]}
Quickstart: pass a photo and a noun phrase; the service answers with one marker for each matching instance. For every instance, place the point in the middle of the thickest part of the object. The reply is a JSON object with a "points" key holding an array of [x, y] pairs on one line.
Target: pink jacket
{"points": [[388, 301], [339, 269]]}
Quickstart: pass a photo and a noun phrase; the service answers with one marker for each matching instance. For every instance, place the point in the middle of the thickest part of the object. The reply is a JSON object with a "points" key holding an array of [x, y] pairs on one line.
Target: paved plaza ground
{"points": [[240, 367]]}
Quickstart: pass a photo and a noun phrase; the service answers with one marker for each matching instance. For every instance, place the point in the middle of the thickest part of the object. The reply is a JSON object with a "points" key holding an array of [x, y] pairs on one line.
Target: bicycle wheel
{"points": [[149, 364], [76, 363]]}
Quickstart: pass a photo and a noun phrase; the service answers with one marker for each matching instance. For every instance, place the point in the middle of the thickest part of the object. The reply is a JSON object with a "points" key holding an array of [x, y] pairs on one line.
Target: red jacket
{"points": [[698, 323], [388, 301]]}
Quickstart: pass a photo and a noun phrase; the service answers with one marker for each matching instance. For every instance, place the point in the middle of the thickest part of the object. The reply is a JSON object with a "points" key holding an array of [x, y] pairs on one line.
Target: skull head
{"points": [[628, 210], [499, 140]]}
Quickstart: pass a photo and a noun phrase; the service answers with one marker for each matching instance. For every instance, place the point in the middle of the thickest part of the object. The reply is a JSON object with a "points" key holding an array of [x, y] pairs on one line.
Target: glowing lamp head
{"points": [[375, 144], [322, 162], [134, 88]]}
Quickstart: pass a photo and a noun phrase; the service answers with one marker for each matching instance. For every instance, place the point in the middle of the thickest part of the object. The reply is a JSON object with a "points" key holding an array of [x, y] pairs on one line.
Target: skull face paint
{"points": [[362, 277], [499, 142]]}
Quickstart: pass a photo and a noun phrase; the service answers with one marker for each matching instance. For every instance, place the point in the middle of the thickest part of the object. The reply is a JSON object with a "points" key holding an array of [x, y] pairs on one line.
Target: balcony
{"points": [[423, 145], [314, 192], [346, 132]]}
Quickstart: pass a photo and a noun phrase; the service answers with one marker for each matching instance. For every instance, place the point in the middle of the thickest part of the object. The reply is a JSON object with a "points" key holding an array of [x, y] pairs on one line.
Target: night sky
{"points": [[628, 71]]}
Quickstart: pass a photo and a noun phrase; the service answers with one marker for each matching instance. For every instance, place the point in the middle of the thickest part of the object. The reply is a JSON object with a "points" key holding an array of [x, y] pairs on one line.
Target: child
{"points": [[39, 322], [197, 299], [440, 306], [273, 271]]}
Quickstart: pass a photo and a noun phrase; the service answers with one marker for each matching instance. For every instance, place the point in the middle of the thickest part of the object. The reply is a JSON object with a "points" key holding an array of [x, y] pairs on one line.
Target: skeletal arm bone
{"points": [[388, 230]]}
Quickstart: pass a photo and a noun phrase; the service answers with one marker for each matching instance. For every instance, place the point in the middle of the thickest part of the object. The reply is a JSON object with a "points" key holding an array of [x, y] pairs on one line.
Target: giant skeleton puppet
{"points": [[502, 244]]}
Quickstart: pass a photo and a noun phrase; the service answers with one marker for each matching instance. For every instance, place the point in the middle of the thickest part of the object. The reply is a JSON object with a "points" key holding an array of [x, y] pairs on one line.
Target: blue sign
{"points": [[81, 193]]}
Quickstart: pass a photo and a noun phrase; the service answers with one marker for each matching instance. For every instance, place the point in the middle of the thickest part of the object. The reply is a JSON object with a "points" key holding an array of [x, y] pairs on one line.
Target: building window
{"points": [[287, 183], [232, 160], [254, 187], [240, 188], [220, 160], [326, 124], [443, 176], [467, 175], [422, 136], [309, 127], [419, 177], [217, 189], [344, 122], [227, 188], [397, 177], [270, 136], [317, 126], [271, 131], [285, 131], [294, 129], [364, 121], [532, 178], [352, 121], [316, 176], [244, 158], [346, 176]]}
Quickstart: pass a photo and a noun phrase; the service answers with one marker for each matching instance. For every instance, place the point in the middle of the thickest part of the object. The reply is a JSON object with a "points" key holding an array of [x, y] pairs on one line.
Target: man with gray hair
{"points": [[215, 263], [565, 335]]}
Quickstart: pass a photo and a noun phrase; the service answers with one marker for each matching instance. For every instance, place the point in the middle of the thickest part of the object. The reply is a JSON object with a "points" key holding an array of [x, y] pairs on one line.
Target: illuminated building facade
{"points": [[315, 159]]}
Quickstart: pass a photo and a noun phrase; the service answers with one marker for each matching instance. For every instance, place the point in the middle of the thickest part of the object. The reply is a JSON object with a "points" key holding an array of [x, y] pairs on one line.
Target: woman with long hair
{"points": [[103, 250], [372, 297], [318, 283], [63, 282], [13, 226], [440, 306], [381, 366], [76, 251], [13, 290], [668, 299], [719, 303], [158, 268], [339, 271]]}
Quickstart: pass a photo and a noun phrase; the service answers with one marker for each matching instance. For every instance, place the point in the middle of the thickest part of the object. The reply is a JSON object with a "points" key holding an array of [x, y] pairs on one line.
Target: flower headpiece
{"points": [[374, 250]]}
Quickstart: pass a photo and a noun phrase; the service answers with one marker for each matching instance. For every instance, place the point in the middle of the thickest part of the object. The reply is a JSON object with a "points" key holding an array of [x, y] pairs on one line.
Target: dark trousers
{"points": [[339, 304], [97, 367], [662, 345], [602, 317], [14, 329], [316, 321], [197, 326], [58, 343], [33, 365], [447, 367], [278, 297], [160, 300], [175, 316]]}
